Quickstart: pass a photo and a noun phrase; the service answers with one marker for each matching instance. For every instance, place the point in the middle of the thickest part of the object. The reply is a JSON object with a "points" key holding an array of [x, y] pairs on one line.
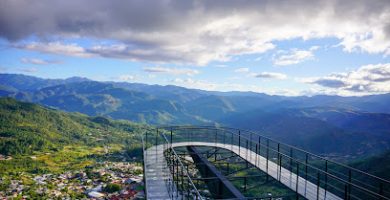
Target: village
{"points": [[104, 180]]}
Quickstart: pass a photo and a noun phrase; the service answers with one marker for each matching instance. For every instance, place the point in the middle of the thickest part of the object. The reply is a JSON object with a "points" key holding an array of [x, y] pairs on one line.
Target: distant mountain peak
{"points": [[76, 79]]}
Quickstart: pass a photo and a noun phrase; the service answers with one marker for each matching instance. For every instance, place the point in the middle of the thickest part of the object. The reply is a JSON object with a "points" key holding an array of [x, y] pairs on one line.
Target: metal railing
{"points": [[178, 187], [329, 177]]}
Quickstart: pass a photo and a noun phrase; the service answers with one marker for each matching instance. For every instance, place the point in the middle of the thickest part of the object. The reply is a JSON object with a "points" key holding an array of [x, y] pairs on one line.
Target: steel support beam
{"points": [[222, 188]]}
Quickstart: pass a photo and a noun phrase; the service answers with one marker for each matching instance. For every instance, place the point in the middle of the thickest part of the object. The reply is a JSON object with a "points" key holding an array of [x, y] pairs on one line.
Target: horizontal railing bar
{"points": [[181, 164], [242, 135], [290, 146]]}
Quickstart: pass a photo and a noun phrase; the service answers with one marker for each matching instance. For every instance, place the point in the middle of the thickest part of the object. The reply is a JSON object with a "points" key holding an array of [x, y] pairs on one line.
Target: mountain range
{"points": [[331, 125]]}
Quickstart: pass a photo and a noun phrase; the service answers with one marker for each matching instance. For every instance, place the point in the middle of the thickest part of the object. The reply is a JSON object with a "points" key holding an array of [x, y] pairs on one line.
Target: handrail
{"points": [[143, 164], [319, 170], [320, 157], [290, 146], [181, 164], [177, 158]]}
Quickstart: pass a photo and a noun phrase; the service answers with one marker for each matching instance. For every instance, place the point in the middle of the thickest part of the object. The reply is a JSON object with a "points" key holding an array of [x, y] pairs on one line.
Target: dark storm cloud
{"points": [[21, 18], [193, 31]]}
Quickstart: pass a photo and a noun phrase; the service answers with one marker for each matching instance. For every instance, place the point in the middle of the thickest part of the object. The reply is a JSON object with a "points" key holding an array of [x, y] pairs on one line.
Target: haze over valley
{"points": [[328, 125]]}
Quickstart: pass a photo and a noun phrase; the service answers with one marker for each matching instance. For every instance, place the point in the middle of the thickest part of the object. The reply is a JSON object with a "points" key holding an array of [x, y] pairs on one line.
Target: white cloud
{"points": [[196, 84], [28, 70], [126, 77], [172, 71], [242, 70], [229, 86], [293, 56], [270, 75], [368, 79], [220, 66], [37, 61], [197, 32], [56, 48], [314, 48], [258, 58], [264, 75]]}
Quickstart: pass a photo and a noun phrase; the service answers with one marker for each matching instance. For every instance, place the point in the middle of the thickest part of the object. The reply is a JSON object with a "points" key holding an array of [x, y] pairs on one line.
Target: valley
{"points": [[344, 128], [84, 136]]}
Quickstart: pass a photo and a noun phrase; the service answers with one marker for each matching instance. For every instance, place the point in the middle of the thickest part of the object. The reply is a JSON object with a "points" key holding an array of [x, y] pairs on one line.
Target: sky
{"points": [[296, 47]]}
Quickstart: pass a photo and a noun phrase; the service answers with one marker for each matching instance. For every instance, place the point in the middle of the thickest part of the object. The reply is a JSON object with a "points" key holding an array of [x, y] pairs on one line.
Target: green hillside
{"points": [[335, 126], [38, 139], [95, 98], [378, 165]]}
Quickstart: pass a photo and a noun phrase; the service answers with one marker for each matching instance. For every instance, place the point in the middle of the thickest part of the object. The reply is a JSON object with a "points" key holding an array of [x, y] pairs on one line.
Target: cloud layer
{"points": [[294, 56], [367, 79], [270, 75], [171, 71], [196, 32], [37, 61]]}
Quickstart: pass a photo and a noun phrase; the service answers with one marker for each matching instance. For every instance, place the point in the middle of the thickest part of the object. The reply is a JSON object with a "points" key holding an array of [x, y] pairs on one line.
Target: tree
{"points": [[112, 187]]}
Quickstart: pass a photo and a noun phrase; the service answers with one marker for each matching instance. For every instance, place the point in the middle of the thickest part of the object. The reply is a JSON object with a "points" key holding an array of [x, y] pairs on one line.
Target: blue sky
{"points": [[238, 48]]}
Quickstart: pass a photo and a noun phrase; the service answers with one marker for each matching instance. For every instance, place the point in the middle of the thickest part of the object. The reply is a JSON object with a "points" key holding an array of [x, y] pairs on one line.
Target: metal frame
{"points": [[209, 179], [339, 179], [223, 187], [175, 181]]}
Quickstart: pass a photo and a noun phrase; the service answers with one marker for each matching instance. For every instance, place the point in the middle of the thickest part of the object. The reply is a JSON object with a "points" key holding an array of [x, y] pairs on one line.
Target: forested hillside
{"points": [[345, 127], [378, 165], [43, 139]]}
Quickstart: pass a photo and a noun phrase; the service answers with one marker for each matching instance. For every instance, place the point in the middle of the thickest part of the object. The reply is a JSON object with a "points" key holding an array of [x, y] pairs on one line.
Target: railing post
{"points": [[306, 163], [173, 169], [279, 163], [349, 183], [156, 143], [143, 163], [318, 185], [291, 155], [146, 139], [250, 146], [239, 143], [171, 136], [297, 183], [326, 176], [246, 154], [280, 167], [177, 177], [156, 136], [266, 164], [182, 180], [259, 145], [256, 154], [215, 154]]}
